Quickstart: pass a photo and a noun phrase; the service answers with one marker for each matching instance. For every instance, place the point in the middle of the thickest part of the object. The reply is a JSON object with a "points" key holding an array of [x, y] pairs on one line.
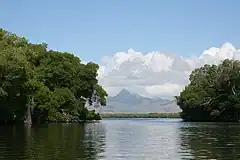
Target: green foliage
{"points": [[92, 115], [58, 83], [213, 93], [101, 93]]}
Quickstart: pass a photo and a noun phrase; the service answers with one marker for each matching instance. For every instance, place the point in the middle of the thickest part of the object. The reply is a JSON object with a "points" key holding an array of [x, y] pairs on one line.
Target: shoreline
{"points": [[11, 122], [140, 115]]}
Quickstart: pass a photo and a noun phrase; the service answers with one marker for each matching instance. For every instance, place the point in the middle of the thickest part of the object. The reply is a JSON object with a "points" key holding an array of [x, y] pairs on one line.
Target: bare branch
{"points": [[210, 101], [233, 90]]}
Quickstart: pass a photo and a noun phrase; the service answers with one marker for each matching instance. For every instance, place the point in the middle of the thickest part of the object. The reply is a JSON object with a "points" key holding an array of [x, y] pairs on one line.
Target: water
{"points": [[117, 139]]}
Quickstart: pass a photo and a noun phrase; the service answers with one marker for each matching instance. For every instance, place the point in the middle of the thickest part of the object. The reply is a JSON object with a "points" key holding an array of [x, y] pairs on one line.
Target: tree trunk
{"points": [[28, 117]]}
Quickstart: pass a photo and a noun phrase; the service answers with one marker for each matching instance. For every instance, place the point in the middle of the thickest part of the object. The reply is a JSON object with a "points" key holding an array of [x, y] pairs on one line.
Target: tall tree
{"points": [[213, 93], [43, 85]]}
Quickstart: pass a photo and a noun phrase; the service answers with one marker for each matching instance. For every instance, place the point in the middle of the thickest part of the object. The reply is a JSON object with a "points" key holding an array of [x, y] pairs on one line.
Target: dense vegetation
{"points": [[213, 93], [45, 85], [140, 115]]}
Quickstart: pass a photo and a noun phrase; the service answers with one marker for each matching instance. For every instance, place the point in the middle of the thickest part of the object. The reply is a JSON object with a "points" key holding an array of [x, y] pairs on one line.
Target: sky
{"points": [[149, 47]]}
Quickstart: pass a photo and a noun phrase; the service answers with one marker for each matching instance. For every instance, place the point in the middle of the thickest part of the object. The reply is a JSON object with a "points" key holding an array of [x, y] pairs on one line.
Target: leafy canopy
{"points": [[213, 93], [58, 83]]}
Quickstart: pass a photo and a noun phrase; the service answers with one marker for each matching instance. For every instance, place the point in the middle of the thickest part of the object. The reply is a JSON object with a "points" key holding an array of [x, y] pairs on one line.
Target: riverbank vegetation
{"points": [[213, 93], [37, 84], [140, 115]]}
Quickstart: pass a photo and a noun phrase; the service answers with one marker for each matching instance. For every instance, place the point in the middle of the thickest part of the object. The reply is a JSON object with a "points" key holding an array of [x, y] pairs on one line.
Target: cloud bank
{"points": [[155, 73]]}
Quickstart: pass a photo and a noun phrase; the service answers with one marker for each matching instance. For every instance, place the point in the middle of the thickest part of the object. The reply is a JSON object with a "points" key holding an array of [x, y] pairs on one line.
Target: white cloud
{"points": [[166, 88], [156, 73]]}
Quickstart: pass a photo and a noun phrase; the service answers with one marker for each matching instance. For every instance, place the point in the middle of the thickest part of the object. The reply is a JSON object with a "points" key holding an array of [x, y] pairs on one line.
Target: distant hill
{"points": [[127, 102]]}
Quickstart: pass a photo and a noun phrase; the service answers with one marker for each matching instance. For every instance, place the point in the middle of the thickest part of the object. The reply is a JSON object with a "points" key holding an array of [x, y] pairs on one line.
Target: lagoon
{"points": [[121, 139]]}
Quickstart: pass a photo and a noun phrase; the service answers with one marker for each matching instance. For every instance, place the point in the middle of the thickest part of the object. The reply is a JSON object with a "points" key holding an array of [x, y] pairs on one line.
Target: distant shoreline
{"points": [[140, 115]]}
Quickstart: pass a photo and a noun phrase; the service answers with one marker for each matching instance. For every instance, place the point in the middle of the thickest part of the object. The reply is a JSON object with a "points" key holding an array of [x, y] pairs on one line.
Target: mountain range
{"points": [[128, 102]]}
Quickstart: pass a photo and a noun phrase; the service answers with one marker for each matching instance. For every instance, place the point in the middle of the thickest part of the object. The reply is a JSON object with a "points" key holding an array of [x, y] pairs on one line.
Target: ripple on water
{"points": [[121, 139]]}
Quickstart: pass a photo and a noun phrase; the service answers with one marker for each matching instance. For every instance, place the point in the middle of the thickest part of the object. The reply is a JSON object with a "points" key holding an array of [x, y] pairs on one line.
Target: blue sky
{"points": [[93, 29]]}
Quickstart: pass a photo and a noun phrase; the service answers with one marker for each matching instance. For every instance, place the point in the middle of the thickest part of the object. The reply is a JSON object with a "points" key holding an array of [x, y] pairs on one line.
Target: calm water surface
{"points": [[117, 139]]}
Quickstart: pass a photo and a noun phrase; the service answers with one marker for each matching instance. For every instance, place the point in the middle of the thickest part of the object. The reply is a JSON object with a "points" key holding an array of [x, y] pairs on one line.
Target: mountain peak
{"points": [[127, 101], [124, 92]]}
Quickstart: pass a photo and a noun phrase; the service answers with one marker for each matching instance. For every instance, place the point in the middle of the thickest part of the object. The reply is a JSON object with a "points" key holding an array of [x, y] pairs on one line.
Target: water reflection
{"points": [[11, 142], [140, 139], [210, 141], [131, 139], [54, 141]]}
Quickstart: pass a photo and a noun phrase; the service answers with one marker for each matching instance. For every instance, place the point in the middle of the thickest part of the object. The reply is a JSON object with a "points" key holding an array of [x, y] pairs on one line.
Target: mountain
{"points": [[124, 96], [128, 102]]}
